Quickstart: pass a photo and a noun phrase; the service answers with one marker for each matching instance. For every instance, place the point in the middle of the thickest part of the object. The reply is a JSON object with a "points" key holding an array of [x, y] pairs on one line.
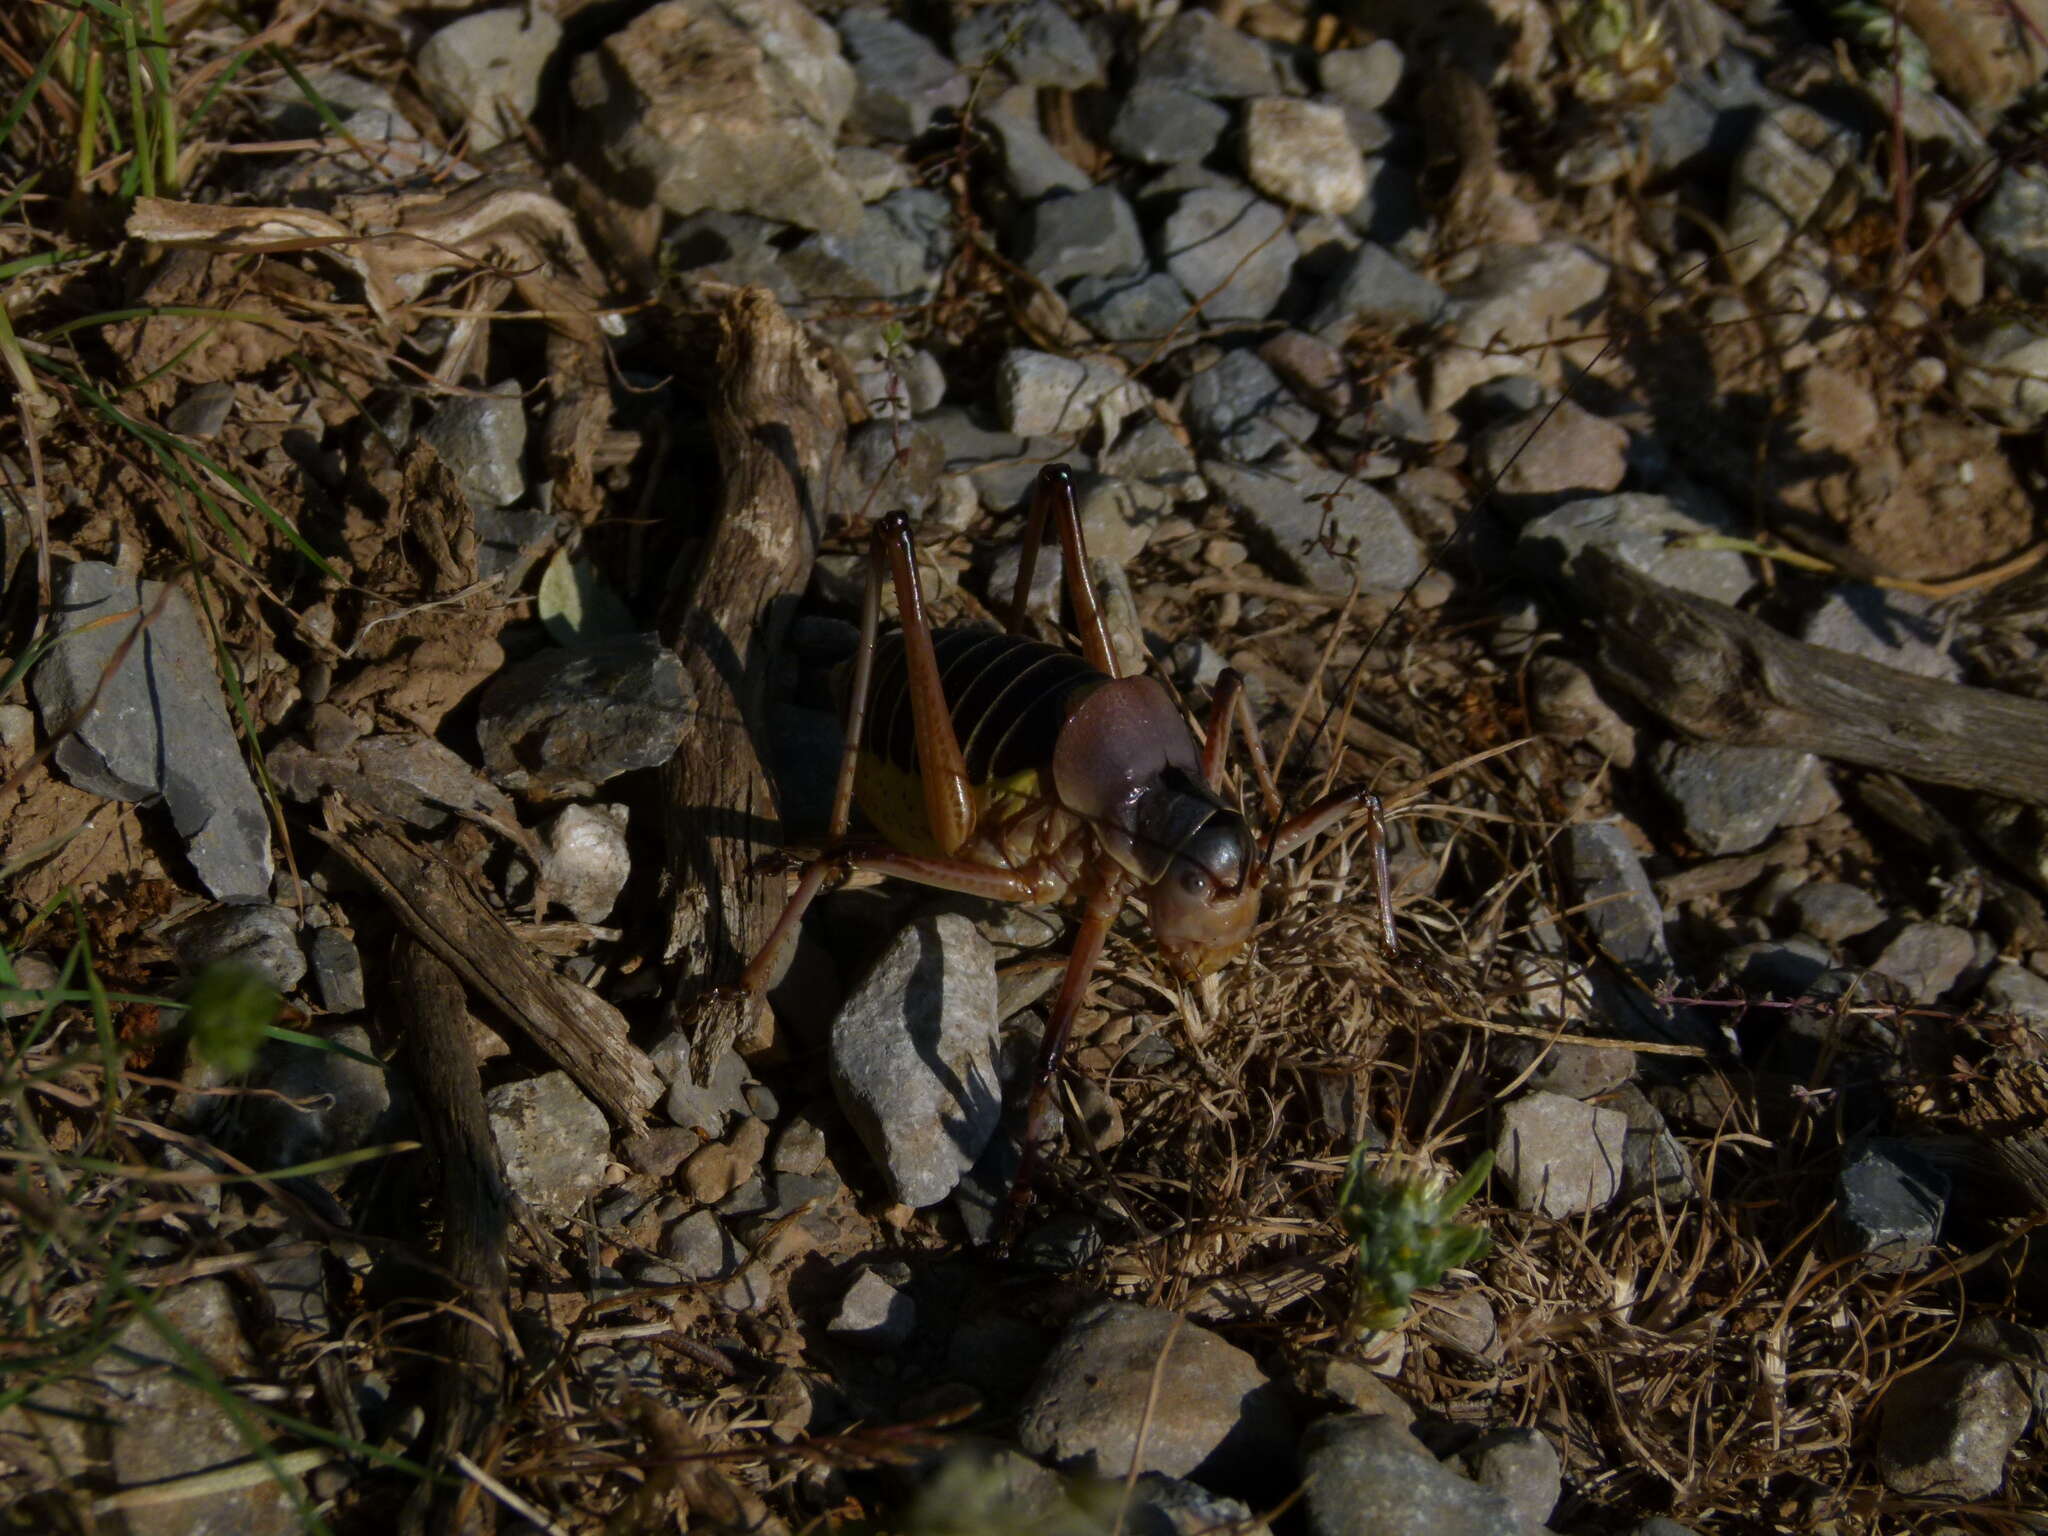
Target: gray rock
{"points": [[405, 775], [1040, 394], [1729, 799], [482, 68], [895, 250], [735, 248], [690, 99], [902, 464], [1894, 629], [1293, 507], [1520, 1465], [1229, 249], [1362, 77], [799, 1148], [1781, 177], [2012, 226], [1037, 42], [1164, 125], [509, 541], [1464, 1320], [1889, 1204], [1031, 165], [1214, 1415], [482, 439], [901, 79], [1646, 532], [1367, 1476], [1240, 410], [564, 721], [1653, 1162], [874, 1315], [553, 1141], [1196, 51], [1374, 287], [1302, 154], [1833, 912], [1565, 702], [1926, 959], [141, 1421], [1084, 234], [2018, 991], [1776, 969], [913, 1058], [1518, 296], [337, 970], [700, 1247], [1152, 452], [1580, 1070], [203, 412], [1172, 1506], [1560, 1156], [586, 859], [1067, 1242], [258, 937], [1549, 452], [288, 111], [159, 725], [1948, 1427], [1620, 906], [2000, 367], [328, 1102], [711, 1107], [1142, 308], [1003, 466]]}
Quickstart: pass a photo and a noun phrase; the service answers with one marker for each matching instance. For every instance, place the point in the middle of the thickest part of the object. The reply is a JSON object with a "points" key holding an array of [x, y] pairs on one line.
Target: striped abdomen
{"points": [[1007, 696]]}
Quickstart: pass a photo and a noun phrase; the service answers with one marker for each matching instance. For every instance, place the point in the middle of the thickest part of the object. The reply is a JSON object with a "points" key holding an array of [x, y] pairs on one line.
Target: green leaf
{"points": [[576, 604], [230, 1011]]}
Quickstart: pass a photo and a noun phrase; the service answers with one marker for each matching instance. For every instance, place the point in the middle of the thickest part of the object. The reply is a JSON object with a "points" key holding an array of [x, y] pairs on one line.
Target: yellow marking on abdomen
{"points": [[893, 799]]}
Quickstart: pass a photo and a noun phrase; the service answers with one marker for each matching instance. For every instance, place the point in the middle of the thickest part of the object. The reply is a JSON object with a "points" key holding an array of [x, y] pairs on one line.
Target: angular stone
{"points": [[1296, 511], [731, 104], [1367, 1476], [913, 1058], [1561, 1157], [1375, 287], [1301, 153], [1229, 249], [1094, 1406], [1890, 1203], [901, 78], [1088, 234], [485, 67], [1648, 533], [1729, 799], [1948, 1428], [553, 1141], [482, 440], [1037, 42], [1040, 394], [1196, 51], [568, 719], [1164, 125], [159, 724]]}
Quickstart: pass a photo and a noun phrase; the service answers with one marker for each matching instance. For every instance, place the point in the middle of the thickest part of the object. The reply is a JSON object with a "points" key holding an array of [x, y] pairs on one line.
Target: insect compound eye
{"points": [[1194, 882]]}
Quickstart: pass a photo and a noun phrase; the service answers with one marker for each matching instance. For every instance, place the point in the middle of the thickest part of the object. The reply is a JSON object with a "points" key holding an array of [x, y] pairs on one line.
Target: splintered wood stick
{"points": [[1724, 676], [779, 423]]}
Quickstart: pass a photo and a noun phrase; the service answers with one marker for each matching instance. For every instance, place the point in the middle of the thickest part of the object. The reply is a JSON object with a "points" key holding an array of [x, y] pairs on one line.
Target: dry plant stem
{"points": [[1723, 676], [580, 1032], [778, 423], [475, 1211]]}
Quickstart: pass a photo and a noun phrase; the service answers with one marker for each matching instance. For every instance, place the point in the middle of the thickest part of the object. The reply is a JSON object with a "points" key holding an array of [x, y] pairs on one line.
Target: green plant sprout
{"points": [[1405, 1237], [229, 1011]]}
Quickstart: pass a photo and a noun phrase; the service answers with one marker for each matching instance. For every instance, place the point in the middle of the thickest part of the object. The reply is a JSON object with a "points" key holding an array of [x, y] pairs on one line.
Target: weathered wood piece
{"points": [[1725, 676], [2011, 910], [475, 1206], [580, 1032], [779, 425]]}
